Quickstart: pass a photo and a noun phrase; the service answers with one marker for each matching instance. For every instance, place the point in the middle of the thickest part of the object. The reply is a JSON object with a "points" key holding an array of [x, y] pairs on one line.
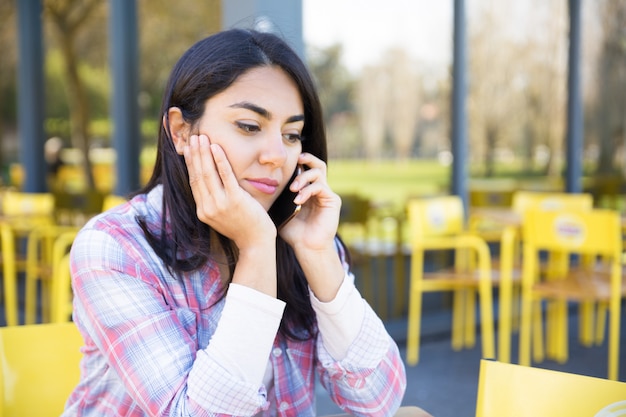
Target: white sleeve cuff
{"points": [[340, 319], [245, 333]]}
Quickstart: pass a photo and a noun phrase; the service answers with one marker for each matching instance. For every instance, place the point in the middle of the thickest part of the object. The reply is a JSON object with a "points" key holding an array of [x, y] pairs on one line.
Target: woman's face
{"points": [[258, 121]]}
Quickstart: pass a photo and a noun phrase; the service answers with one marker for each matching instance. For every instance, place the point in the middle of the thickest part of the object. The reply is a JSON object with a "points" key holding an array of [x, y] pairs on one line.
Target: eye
{"points": [[248, 127], [293, 137]]}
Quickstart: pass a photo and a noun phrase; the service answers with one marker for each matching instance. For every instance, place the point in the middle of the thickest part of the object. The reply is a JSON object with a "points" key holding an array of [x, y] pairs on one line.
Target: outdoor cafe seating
{"points": [[501, 227]]}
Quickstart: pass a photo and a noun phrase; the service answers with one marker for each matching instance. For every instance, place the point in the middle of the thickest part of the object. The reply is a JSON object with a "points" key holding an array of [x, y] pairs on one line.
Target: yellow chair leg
{"points": [[506, 295], [586, 313], [601, 317], [525, 330], [614, 327], [486, 318], [562, 331], [415, 307], [414, 327], [537, 333], [458, 322], [469, 338], [9, 275], [504, 331]]}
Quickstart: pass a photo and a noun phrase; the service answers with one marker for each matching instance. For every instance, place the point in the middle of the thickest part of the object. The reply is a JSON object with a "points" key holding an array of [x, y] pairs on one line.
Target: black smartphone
{"points": [[284, 209]]}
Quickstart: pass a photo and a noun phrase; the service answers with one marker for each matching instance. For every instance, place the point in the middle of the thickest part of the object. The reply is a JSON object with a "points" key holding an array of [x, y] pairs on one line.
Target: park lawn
{"points": [[388, 183]]}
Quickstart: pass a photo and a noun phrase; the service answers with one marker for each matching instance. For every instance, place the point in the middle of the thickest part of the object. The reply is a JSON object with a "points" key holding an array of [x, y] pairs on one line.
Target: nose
{"points": [[273, 150]]}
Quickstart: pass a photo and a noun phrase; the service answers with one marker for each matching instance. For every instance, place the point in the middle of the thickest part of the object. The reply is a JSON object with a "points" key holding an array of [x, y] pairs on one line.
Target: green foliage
{"points": [[56, 99], [57, 126], [332, 78], [388, 183], [97, 81]]}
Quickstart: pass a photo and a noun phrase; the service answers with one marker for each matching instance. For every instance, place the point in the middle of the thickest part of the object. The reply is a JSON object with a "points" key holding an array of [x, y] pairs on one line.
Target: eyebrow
{"points": [[263, 112]]}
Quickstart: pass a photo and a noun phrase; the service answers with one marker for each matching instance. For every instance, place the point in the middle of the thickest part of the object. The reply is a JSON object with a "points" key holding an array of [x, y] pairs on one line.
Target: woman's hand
{"points": [[220, 201], [312, 232], [315, 226]]}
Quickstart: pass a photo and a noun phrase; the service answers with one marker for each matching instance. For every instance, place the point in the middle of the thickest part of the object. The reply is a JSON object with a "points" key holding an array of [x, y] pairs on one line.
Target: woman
{"points": [[192, 301]]}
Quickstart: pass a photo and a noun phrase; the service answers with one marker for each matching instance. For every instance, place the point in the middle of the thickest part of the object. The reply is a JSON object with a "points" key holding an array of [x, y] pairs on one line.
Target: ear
{"points": [[178, 128]]}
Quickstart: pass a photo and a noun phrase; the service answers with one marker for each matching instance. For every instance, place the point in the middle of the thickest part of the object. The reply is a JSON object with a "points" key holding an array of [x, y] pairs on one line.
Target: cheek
{"points": [[292, 159]]}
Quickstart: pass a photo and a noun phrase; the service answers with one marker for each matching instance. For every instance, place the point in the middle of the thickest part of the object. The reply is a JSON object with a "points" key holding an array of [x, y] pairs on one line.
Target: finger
{"points": [[223, 168], [194, 169], [313, 175], [312, 162], [210, 176], [199, 165], [192, 159], [313, 190]]}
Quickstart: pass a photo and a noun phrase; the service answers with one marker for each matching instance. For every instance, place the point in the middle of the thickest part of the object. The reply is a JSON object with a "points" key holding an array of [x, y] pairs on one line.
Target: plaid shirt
{"points": [[146, 332]]}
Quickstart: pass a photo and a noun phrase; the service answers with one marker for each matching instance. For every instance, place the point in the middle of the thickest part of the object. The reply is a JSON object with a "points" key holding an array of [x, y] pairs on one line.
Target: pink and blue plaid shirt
{"points": [[146, 332]]}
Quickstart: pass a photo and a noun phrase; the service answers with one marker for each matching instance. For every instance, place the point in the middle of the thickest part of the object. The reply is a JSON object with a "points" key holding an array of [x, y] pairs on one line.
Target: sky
{"points": [[366, 28]]}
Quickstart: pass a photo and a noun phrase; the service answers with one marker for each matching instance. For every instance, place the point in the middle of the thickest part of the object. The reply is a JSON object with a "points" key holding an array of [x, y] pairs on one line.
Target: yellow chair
{"points": [[551, 201], [512, 390], [112, 200], [592, 234], [28, 208], [22, 212], [437, 224], [9, 273], [45, 247], [39, 368], [503, 226], [61, 291]]}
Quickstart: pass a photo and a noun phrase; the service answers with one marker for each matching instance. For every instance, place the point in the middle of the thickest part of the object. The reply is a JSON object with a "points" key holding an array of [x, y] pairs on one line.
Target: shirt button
{"points": [[283, 406], [277, 352]]}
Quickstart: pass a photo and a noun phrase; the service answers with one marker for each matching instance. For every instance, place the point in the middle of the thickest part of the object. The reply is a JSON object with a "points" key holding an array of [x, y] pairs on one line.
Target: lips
{"points": [[265, 185]]}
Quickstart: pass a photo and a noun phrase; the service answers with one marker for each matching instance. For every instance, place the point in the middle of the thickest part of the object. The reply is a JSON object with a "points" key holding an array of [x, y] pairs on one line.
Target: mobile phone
{"points": [[284, 209]]}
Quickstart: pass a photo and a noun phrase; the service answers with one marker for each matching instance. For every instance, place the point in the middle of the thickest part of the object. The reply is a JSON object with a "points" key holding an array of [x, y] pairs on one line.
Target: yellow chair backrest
{"points": [[435, 217], [528, 200], [512, 390], [574, 231], [27, 204], [39, 368]]}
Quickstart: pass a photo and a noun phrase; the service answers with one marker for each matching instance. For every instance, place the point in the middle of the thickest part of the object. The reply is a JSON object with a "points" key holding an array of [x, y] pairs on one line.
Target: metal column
{"points": [[459, 172], [124, 105], [31, 96], [574, 138]]}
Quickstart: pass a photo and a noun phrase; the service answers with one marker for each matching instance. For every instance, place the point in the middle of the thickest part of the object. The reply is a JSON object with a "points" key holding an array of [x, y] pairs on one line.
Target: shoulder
{"points": [[115, 234]]}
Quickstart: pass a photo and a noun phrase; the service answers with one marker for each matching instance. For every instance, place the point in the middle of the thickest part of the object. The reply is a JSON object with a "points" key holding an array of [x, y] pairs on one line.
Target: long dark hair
{"points": [[207, 68]]}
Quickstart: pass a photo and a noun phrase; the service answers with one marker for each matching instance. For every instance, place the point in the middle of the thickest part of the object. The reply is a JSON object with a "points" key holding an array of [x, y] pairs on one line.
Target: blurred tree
{"points": [[371, 102], [73, 26], [517, 84], [333, 79], [8, 63], [494, 89], [166, 30], [404, 100], [611, 101], [336, 87]]}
